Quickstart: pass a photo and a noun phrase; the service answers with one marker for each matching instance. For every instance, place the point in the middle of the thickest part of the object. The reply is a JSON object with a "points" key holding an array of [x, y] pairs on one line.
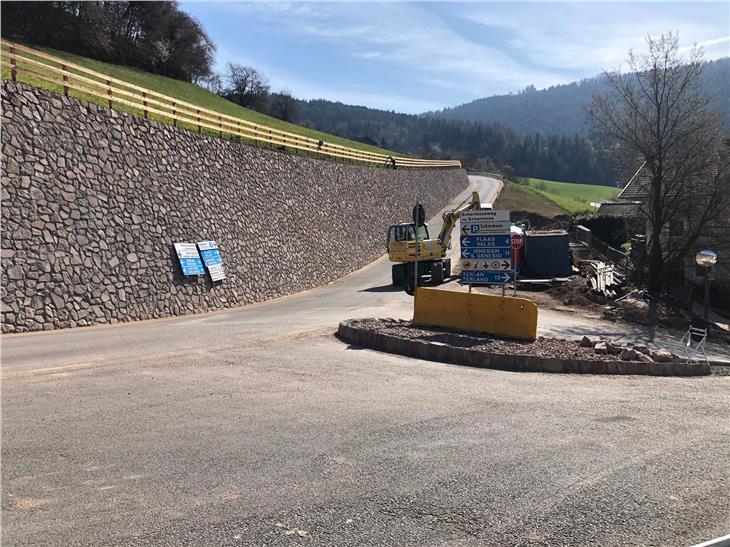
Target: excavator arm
{"points": [[450, 218]]}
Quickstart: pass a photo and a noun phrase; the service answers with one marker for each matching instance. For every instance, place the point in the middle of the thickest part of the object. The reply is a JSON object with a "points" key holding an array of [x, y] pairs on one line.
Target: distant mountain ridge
{"points": [[560, 110], [480, 146]]}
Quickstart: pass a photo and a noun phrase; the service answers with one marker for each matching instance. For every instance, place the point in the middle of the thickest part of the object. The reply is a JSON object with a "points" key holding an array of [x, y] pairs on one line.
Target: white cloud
{"points": [[592, 37], [410, 38]]}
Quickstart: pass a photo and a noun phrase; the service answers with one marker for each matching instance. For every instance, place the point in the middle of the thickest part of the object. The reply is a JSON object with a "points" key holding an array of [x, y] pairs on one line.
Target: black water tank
{"points": [[547, 254]]}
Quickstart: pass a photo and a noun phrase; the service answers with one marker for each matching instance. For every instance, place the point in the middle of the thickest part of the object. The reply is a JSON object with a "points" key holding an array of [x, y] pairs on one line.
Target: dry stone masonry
{"points": [[93, 200]]}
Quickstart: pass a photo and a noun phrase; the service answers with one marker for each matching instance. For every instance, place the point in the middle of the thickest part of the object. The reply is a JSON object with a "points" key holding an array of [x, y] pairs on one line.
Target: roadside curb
{"points": [[349, 331]]}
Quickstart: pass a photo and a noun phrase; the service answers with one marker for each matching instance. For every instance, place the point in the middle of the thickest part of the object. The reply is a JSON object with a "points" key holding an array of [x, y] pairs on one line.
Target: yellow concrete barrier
{"points": [[499, 315]]}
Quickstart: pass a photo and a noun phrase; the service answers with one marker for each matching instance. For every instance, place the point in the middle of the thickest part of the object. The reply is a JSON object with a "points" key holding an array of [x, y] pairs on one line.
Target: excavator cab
{"points": [[406, 232]]}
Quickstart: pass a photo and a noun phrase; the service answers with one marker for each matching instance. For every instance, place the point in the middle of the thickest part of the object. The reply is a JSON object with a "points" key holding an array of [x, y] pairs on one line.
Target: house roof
{"points": [[637, 189], [623, 208]]}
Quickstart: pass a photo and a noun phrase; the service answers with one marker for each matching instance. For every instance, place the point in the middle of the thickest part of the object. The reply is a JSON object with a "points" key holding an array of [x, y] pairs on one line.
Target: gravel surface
{"points": [[544, 347]]}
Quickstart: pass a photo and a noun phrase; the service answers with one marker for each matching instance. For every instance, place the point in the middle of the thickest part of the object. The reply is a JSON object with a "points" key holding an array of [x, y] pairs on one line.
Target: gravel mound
{"points": [[543, 347]]}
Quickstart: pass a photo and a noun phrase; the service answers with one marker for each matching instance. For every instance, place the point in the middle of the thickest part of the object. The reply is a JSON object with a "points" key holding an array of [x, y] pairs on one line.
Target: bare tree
{"points": [[246, 86], [659, 118], [213, 83]]}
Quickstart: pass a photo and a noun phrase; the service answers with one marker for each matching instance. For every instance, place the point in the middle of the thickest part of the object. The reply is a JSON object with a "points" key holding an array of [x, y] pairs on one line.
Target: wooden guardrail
{"points": [[20, 60]]}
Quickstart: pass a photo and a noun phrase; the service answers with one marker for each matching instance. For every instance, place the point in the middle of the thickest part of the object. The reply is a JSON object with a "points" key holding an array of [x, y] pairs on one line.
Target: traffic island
{"points": [[485, 351]]}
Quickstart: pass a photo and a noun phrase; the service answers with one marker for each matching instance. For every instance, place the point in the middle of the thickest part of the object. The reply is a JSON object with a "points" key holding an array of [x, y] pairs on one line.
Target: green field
{"points": [[176, 89], [574, 198]]}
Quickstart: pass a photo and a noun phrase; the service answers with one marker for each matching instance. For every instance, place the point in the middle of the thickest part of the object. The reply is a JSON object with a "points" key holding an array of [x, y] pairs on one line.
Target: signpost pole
{"points": [[516, 242], [415, 264]]}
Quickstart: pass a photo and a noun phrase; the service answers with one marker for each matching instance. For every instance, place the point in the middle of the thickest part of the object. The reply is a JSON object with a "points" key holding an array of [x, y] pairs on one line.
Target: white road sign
{"points": [[485, 215], [207, 245], [217, 272], [482, 228], [186, 250]]}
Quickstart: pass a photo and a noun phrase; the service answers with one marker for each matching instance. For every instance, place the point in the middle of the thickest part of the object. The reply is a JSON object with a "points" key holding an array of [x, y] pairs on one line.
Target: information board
{"points": [[187, 254], [212, 259]]}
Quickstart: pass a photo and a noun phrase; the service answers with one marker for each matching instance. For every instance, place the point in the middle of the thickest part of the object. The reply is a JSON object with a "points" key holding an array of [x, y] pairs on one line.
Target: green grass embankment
{"points": [[573, 198], [176, 89], [516, 197]]}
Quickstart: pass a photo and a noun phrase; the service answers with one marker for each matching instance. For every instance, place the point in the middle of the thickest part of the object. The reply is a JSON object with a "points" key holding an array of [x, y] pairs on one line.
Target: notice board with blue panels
{"points": [[212, 259], [187, 254]]}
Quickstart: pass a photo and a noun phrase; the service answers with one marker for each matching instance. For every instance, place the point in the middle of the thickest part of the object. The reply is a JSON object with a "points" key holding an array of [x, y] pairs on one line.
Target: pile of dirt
{"points": [[542, 347], [576, 292], [535, 221]]}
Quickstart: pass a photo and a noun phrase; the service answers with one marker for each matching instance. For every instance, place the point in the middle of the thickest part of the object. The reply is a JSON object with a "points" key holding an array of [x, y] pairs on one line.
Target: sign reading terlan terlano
{"points": [[187, 254], [212, 259]]}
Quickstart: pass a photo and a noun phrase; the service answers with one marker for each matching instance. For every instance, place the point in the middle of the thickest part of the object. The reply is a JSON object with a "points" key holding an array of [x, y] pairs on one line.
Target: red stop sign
{"points": [[517, 240]]}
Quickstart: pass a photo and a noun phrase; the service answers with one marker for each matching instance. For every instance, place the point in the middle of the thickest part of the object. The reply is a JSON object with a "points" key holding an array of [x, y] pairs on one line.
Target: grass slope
{"points": [[574, 198], [180, 90], [516, 197]]}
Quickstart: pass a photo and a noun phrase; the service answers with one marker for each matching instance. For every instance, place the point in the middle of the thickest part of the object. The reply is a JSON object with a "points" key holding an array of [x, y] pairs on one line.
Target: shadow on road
{"points": [[356, 348], [394, 288], [383, 288]]}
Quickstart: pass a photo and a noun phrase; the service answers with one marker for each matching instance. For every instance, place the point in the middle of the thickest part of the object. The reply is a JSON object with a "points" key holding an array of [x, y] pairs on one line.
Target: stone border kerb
{"points": [[350, 332]]}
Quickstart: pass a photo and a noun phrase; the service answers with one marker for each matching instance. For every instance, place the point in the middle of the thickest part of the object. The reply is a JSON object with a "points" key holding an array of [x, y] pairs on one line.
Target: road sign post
{"points": [[516, 241], [419, 219], [486, 248]]}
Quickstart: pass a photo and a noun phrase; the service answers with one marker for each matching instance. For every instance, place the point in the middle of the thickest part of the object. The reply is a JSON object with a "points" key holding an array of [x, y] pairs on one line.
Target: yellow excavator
{"points": [[431, 252]]}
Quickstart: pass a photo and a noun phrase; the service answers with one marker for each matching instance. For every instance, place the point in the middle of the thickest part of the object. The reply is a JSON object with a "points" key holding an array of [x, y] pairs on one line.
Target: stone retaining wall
{"points": [[94, 199]]}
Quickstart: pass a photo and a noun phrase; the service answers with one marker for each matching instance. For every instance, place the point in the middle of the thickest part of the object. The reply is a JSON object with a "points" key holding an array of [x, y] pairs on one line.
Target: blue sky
{"points": [[419, 56]]}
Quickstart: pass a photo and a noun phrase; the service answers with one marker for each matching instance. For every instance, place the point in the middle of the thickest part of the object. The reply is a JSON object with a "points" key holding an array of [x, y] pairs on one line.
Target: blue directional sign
{"points": [[486, 241], [486, 277], [212, 259], [486, 252], [486, 249], [187, 254], [192, 266]]}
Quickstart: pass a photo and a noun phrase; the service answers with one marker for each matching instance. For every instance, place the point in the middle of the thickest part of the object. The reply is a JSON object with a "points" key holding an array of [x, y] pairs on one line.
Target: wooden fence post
{"points": [[65, 80], [200, 129], [144, 102], [220, 125], [13, 70], [109, 92], [174, 115]]}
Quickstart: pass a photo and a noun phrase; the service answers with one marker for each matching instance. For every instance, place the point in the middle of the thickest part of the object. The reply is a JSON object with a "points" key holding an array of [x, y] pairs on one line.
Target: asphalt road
{"points": [[256, 426]]}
